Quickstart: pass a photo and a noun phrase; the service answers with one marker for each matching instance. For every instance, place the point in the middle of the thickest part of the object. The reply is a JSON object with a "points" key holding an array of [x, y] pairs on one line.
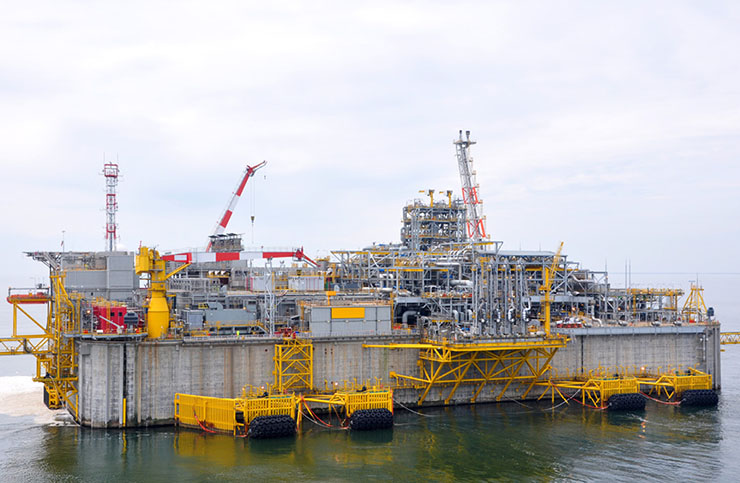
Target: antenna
{"points": [[110, 171]]}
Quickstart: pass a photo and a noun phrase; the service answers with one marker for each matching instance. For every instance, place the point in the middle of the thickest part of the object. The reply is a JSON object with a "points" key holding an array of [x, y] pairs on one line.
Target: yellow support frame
{"points": [[673, 385], [59, 364], [729, 338], [213, 412], [54, 347], [220, 414], [356, 401], [267, 406], [694, 305], [293, 365], [450, 364], [234, 415], [546, 288], [595, 391]]}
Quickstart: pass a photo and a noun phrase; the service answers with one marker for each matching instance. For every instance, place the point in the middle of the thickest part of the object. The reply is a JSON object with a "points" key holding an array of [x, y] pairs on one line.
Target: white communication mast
{"points": [[474, 211]]}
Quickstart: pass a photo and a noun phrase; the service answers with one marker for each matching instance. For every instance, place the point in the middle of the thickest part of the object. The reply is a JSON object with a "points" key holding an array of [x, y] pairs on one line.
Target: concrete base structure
{"points": [[147, 374]]}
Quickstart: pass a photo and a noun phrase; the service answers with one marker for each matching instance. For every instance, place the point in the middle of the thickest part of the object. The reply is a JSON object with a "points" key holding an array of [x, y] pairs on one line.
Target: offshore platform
{"points": [[225, 339]]}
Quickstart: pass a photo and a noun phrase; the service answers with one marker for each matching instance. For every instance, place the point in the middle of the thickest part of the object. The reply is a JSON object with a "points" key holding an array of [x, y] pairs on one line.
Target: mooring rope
{"points": [[322, 421], [592, 407], [415, 412], [564, 402], [677, 403], [201, 424]]}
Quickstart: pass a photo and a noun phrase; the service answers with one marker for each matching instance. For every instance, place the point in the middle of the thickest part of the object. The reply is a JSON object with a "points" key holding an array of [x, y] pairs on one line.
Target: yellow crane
{"points": [[158, 312], [546, 288]]}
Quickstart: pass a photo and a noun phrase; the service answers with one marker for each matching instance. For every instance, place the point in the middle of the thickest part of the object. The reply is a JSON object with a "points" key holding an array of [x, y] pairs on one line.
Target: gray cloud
{"points": [[613, 127]]}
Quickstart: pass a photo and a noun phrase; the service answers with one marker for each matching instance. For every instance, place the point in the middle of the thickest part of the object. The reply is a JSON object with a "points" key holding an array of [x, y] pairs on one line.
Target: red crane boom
{"points": [[226, 216]]}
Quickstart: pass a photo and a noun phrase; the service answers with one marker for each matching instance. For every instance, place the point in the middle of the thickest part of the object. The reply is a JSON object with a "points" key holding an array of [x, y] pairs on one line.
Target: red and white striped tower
{"points": [[226, 216], [110, 171]]}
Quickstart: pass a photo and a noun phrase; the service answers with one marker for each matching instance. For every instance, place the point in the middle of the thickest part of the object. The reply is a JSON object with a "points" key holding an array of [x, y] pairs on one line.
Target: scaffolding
{"points": [[501, 363], [694, 309], [428, 225], [53, 346], [293, 365]]}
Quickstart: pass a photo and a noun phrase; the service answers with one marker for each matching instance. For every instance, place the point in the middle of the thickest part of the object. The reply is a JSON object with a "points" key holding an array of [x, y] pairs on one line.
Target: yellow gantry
{"points": [[445, 364], [546, 288], [53, 347], [293, 365]]}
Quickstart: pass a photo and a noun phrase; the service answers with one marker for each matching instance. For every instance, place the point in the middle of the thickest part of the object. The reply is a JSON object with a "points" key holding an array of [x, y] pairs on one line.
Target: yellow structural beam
{"points": [[694, 308], [35, 345], [52, 346], [553, 342], [595, 391], [546, 288], [293, 365], [478, 364], [729, 338], [674, 384], [598, 390], [355, 401]]}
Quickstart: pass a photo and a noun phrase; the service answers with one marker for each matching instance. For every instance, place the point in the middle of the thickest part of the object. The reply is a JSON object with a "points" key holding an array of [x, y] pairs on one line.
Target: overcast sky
{"points": [[612, 126]]}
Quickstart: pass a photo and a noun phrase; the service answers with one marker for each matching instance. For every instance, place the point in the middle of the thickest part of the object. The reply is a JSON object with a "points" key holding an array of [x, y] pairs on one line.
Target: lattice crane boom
{"points": [[549, 277], [475, 226], [226, 216]]}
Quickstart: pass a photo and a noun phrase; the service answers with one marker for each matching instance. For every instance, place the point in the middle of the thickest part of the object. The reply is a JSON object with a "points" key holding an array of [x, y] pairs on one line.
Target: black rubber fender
{"points": [[264, 427], [626, 402], [369, 419], [699, 398]]}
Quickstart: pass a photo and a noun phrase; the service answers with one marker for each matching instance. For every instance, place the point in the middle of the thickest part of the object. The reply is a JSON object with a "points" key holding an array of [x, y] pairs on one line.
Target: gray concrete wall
{"points": [[149, 373], [634, 347], [154, 371]]}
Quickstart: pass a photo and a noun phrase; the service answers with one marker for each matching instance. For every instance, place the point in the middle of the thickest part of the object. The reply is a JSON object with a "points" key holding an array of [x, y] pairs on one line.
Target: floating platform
{"points": [[147, 374]]}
